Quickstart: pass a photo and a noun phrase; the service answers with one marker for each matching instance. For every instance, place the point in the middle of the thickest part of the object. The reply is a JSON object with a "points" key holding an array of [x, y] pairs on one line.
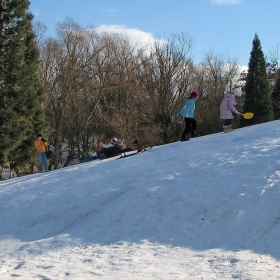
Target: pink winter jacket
{"points": [[227, 107]]}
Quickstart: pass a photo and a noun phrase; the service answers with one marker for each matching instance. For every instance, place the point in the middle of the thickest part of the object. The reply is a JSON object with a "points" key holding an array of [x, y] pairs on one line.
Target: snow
{"points": [[208, 208]]}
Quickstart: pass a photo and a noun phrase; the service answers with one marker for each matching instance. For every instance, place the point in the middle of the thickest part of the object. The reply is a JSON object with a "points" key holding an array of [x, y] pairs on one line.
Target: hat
{"points": [[194, 93], [39, 135], [237, 92], [114, 139]]}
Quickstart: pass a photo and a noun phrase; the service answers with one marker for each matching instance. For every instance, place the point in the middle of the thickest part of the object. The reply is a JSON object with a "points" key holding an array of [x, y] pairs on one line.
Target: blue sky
{"points": [[227, 27]]}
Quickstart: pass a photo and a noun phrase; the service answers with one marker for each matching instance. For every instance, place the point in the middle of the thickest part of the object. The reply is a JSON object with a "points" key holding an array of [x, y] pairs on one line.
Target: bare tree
{"points": [[67, 73], [272, 66], [216, 75], [123, 106], [39, 29], [165, 74]]}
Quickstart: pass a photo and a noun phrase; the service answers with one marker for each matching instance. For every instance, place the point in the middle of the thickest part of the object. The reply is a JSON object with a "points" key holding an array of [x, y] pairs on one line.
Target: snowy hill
{"points": [[208, 208]]}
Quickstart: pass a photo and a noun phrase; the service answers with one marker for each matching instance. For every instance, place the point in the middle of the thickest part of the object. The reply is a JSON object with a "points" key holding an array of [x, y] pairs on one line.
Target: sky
{"points": [[226, 27], [207, 208]]}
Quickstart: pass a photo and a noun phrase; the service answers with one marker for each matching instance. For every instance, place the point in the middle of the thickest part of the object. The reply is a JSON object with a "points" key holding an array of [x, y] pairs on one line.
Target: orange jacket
{"points": [[40, 145]]}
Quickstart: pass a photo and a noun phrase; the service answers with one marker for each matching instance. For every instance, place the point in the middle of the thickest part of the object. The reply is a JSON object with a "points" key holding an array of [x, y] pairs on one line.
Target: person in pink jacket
{"points": [[227, 108]]}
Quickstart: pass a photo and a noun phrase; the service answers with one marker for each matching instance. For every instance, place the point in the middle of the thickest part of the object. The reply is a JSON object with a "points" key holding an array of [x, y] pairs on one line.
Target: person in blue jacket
{"points": [[187, 112]]}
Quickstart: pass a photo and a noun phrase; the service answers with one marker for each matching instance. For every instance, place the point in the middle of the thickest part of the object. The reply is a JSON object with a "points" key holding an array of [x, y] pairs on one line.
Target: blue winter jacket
{"points": [[188, 109]]}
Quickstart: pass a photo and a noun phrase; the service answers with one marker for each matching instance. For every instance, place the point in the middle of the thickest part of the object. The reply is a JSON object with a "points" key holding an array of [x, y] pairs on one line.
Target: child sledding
{"points": [[114, 148]]}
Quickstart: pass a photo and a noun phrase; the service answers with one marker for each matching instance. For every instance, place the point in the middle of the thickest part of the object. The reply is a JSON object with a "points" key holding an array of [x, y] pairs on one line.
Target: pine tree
{"points": [[21, 91], [275, 97], [257, 89]]}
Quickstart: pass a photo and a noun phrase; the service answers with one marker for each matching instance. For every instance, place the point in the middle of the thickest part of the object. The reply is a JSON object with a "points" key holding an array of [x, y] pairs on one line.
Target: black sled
{"points": [[139, 149]]}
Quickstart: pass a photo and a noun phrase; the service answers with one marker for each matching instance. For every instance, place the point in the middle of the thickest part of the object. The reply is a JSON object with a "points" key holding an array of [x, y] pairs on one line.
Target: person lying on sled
{"points": [[109, 150]]}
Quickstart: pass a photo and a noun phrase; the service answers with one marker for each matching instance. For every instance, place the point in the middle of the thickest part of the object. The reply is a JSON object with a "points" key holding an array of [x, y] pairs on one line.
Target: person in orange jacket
{"points": [[41, 145]]}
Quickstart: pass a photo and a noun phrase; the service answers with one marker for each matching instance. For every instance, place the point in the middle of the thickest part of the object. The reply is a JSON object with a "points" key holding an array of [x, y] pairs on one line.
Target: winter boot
{"points": [[193, 134], [186, 138], [226, 128], [230, 128]]}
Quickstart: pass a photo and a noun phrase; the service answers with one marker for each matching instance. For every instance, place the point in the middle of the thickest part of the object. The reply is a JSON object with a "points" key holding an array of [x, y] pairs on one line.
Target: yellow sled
{"points": [[247, 115]]}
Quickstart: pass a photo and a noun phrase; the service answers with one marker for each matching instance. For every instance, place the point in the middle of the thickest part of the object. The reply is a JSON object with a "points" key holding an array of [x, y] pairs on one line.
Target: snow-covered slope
{"points": [[208, 208]]}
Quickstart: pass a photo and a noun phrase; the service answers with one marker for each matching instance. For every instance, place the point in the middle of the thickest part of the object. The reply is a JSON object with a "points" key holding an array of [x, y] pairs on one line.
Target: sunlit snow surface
{"points": [[208, 208]]}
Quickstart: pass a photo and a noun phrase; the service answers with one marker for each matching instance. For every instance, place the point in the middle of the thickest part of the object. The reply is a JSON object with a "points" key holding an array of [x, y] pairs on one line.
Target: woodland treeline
{"points": [[92, 86], [100, 85]]}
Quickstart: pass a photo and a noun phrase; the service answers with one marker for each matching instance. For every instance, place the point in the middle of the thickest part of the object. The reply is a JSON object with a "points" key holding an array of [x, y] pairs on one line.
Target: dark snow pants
{"points": [[190, 126]]}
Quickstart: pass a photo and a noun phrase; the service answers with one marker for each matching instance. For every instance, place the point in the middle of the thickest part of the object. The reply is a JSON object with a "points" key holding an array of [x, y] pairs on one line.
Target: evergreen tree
{"points": [[21, 91], [275, 97], [257, 89]]}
